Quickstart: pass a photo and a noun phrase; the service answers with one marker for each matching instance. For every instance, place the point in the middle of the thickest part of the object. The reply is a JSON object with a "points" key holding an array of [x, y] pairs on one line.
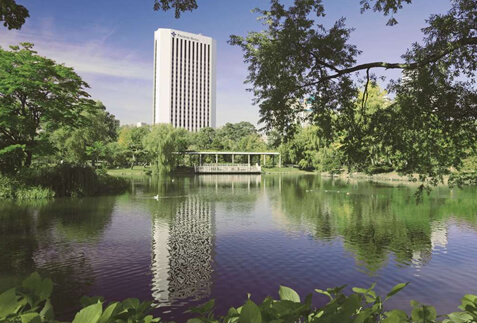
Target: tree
{"points": [[78, 144], [161, 143], [35, 92], [12, 14], [228, 136], [386, 6], [204, 138], [131, 140], [297, 56], [178, 5]]}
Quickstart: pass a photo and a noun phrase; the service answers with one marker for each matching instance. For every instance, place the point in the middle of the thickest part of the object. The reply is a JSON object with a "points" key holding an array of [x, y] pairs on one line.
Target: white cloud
{"points": [[88, 57]]}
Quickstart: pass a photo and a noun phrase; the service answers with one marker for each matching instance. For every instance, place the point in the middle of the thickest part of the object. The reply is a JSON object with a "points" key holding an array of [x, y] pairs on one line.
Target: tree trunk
{"points": [[28, 159]]}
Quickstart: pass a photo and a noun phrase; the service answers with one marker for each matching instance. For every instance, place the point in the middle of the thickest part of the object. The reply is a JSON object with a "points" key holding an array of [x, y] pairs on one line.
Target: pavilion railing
{"points": [[228, 168]]}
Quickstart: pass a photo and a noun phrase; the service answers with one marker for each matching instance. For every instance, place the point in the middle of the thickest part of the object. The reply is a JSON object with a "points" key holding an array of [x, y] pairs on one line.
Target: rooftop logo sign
{"points": [[174, 34]]}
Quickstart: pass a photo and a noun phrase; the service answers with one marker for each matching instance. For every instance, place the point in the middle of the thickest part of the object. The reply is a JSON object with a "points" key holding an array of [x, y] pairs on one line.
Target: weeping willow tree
{"points": [[161, 143]]}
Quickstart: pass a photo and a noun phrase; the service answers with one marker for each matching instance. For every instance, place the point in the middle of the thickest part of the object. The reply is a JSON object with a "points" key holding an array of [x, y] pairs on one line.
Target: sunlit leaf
{"points": [[288, 294]]}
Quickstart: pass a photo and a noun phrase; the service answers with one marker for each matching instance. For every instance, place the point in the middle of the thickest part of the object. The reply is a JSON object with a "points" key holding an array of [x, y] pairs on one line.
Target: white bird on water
{"points": [[156, 197]]}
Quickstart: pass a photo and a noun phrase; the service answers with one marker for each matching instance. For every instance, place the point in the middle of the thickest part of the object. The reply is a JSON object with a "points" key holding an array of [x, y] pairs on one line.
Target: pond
{"points": [[223, 236]]}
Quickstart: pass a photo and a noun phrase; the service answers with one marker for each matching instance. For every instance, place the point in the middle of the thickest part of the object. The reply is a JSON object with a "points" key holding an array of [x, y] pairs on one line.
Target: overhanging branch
{"points": [[405, 66]]}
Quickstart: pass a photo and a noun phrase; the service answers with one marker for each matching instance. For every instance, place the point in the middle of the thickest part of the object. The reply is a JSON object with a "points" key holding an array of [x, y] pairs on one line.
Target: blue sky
{"points": [[110, 44]]}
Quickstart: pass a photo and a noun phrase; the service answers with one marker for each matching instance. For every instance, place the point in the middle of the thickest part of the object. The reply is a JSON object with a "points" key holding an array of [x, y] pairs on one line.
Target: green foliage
{"points": [[12, 14], [428, 129], [362, 306], [306, 150], [162, 141], [36, 93], [178, 5], [463, 178], [72, 180], [31, 303], [204, 138], [13, 189], [78, 144], [233, 136], [130, 140]]}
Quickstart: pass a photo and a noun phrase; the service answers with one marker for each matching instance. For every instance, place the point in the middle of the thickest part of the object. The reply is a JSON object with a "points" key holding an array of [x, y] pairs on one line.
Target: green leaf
{"points": [[109, 312], [288, 294], [285, 307], [395, 316], [131, 303], [31, 318], [47, 311], [359, 290], [32, 282], [45, 289], [90, 314], [351, 305], [319, 291], [195, 320], [250, 313], [87, 301], [8, 303], [423, 314], [207, 307], [460, 317], [396, 289]]}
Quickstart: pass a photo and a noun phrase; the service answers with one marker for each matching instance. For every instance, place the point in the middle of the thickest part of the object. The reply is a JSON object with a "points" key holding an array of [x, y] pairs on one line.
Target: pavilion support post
{"points": [[216, 159], [264, 156], [200, 160], [280, 161], [249, 160], [232, 158]]}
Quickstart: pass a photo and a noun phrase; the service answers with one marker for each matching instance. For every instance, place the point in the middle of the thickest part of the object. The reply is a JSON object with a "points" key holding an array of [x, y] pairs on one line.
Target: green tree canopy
{"points": [[77, 144], [161, 143], [12, 14], [36, 92], [297, 56], [131, 141]]}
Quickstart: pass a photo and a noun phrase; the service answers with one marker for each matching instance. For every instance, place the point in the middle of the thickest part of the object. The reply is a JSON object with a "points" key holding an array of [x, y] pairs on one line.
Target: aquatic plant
{"points": [[31, 303]]}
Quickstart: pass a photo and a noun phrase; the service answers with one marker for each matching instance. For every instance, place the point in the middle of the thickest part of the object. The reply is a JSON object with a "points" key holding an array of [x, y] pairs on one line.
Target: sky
{"points": [[110, 44]]}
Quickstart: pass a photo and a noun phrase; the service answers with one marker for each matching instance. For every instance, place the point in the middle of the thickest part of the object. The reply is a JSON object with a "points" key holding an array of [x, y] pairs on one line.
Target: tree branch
{"points": [[405, 66]]}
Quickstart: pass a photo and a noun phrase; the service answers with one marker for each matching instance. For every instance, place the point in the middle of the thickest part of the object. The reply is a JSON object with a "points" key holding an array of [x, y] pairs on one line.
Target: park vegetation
{"points": [[48, 121], [31, 303], [49, 130]]}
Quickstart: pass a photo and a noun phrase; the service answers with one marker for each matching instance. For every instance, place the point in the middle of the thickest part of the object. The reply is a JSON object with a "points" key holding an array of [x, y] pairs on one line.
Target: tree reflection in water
{"points": [[52, 237], [374, 221]]}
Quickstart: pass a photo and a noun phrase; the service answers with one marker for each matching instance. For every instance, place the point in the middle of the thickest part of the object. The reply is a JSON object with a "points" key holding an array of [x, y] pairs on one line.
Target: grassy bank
{"points": [[11, 188], [59, 181], [285, 170], [127, 172]]}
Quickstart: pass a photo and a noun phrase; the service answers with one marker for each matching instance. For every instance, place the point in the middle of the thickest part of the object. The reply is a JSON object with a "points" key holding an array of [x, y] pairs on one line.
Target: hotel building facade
{"points": [[184, 79]]}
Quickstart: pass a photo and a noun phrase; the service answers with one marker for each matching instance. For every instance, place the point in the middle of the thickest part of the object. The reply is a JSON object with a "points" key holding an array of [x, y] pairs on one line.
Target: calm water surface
{"points": [[224, 236]]}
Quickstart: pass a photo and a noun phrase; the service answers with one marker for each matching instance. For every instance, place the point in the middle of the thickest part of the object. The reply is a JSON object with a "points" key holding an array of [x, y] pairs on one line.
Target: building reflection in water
{"points": [[182, 252], [438, 239], [183, 237]]}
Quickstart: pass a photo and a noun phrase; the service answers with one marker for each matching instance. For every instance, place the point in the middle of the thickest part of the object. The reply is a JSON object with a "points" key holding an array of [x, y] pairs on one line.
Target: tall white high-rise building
{"points": [[184, 79]]}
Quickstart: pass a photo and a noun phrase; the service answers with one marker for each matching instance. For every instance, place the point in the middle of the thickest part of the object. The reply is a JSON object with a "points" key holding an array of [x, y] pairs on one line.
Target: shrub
{"points": [[13, 189], [73, 180]]}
